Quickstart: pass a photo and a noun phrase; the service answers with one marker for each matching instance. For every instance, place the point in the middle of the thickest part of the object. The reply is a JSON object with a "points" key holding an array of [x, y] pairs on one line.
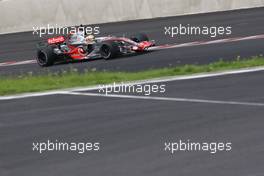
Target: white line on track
{"points": [[200, 43], [189, 100], [162, 47], [179, 78], [28, 95], [156, 80], [13, 63]]}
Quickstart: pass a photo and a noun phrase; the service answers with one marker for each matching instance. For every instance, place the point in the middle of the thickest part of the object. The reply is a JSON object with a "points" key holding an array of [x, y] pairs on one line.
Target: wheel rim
{"points": [[42, 58], [105, 50]]}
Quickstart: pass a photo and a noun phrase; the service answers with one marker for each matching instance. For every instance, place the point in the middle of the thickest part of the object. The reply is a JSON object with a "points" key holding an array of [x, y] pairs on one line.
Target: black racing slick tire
{"points": [[109, 50], [139, 37], [46, 56]]}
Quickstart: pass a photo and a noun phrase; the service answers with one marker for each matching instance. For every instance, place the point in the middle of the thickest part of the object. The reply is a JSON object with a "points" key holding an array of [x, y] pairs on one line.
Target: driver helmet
{"points": [[90, 39]]}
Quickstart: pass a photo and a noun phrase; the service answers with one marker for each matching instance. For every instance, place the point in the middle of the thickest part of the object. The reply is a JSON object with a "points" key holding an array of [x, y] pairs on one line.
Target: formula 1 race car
{"points": [[60, 49]]}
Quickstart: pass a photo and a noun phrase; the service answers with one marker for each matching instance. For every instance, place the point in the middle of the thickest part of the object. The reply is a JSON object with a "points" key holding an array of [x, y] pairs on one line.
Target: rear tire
{"points": [[139, 38], [46, 57], [109, 50]]}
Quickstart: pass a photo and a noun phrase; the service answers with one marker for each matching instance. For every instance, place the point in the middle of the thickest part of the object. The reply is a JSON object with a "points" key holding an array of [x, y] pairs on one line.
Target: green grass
{"points": [[30, 83]]}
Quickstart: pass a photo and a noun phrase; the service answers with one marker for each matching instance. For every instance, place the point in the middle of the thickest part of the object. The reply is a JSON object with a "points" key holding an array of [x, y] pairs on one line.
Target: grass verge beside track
{"points": [[31, 83]]}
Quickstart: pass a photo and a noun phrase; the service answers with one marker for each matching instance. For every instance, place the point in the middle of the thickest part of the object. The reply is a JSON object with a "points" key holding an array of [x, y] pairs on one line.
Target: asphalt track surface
{"points": [[132, 132], [21, 46]]}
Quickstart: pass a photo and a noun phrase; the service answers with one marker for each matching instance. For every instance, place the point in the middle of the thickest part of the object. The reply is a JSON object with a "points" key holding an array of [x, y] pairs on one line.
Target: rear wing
{"points": [[50, 41]]}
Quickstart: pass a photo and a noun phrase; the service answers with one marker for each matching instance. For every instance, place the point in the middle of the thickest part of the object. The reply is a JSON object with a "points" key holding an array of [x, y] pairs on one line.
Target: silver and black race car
{"points": [[61, 48]]}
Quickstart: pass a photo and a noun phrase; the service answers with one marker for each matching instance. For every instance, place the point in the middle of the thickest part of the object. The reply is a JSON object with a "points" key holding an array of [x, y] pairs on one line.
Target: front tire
{"points": [[141, 37]]}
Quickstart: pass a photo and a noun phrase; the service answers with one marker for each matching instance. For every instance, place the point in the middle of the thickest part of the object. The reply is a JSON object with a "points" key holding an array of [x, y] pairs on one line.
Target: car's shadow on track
{"points": [[93, 60]]}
